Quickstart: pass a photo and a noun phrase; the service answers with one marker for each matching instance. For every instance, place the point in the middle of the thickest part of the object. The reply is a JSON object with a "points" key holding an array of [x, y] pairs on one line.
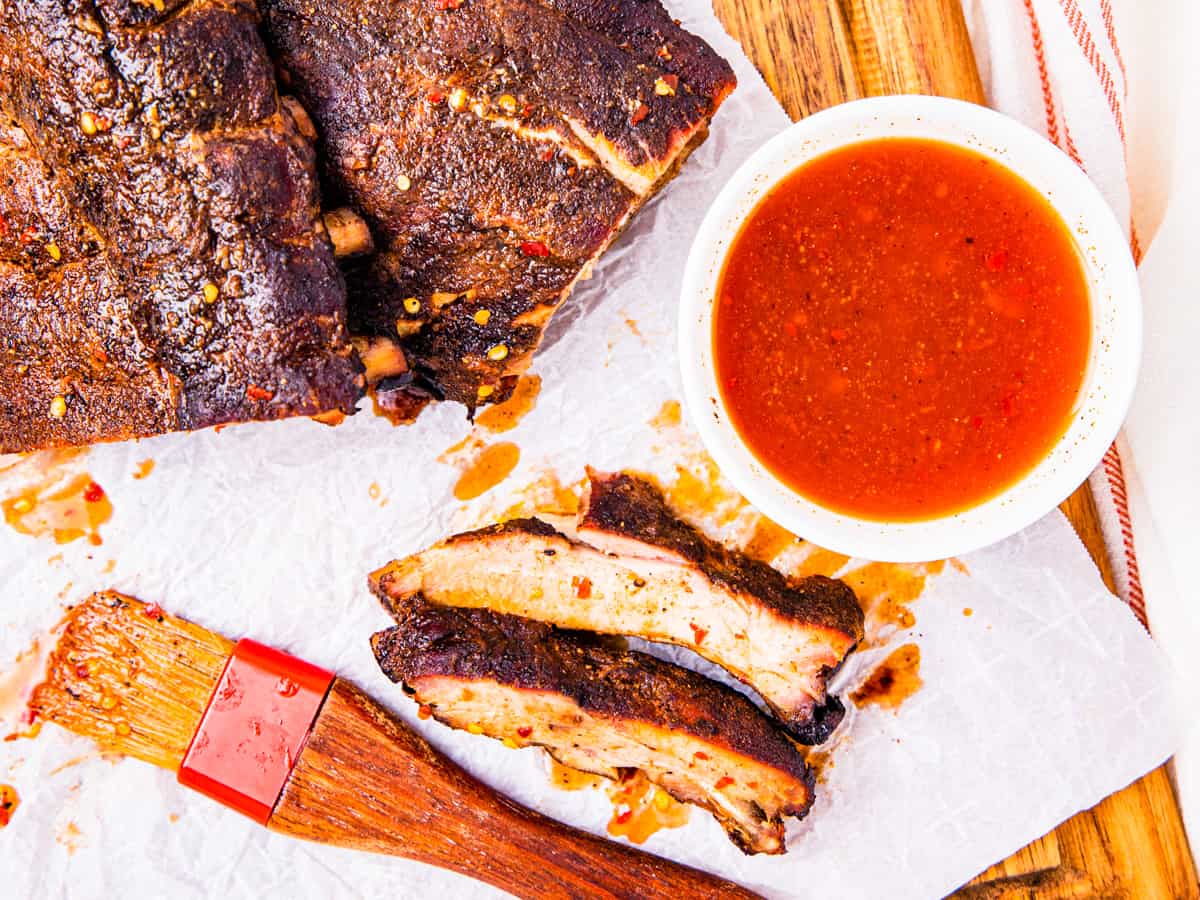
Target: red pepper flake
{"points": [[28, 716], [29, 235], [124, 142], [3, 227], [998, 261], [447, 4], [838, 334], [524, 731], [663, 52], [624, 817], [254, 392], [534, 248], [700, 754], [99, 355], [424, 711], [82, 671], [700, 633], [583, 587], [93, 493], [672, 81], [526, 110], [640, 113], [435, 97], [546, 155], [285, 687], [723, 782], [153, 611]]}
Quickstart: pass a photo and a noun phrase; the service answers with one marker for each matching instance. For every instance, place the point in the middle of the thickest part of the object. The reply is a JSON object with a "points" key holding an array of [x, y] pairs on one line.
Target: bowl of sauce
{"points": [[909, 328]]}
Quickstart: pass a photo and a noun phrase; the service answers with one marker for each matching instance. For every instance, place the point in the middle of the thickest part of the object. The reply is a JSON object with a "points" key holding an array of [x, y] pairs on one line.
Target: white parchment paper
{"points": [[1046, 699]]}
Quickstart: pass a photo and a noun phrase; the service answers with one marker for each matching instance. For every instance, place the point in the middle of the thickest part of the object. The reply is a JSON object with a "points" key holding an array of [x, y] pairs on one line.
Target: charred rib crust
{"points": [[557, 135], [155, 145], [630, 506]]}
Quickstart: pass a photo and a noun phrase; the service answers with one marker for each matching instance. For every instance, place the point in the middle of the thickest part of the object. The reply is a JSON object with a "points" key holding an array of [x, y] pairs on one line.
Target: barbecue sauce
{"points": [[893, 681], [902, 329]]}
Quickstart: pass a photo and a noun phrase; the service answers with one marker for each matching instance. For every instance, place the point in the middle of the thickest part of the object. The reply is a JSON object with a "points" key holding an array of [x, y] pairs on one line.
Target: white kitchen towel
{"points": [[1110, 82]]}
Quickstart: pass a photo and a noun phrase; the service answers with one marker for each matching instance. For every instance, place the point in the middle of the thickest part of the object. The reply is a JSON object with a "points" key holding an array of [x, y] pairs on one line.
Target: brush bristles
{"points": [[130, 677]]}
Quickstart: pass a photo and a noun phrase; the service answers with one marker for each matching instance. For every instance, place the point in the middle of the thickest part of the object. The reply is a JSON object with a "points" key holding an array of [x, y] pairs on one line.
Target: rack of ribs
{"points": [[633, 568], [495, 148], [601, 710], [162, 260]]}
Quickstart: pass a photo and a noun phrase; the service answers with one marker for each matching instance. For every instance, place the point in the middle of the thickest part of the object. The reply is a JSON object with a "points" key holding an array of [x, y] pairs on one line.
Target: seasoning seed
{"points": [[211, 292], [497, 353], [58, 407], [412, 305], [55, 253], [403, 182], [482, 316], [508, 103]]}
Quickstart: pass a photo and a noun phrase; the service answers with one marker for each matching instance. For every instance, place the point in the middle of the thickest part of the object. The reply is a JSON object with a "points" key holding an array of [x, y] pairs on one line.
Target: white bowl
{"points": [[1116, 314]]}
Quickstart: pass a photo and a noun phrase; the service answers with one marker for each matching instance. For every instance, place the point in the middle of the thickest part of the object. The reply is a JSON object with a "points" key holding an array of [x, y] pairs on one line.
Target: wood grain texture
{"points": [[1132, 844], [366, 781]]}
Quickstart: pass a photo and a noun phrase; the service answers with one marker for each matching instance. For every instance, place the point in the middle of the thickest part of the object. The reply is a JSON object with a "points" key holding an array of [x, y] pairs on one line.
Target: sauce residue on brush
{"points": [[893, 681], [902, 329]]}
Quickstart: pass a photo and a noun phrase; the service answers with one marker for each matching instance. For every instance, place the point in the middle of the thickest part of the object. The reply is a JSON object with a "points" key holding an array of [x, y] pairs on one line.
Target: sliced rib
{"points": [[663, 581], [601, 710]]}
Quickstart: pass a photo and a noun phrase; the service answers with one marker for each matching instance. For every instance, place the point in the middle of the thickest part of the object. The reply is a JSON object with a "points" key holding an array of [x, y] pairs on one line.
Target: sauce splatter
{"points": [[699, 493], [9, 801], [632, 325], [108, 567], [375, 492], [508, 415], [546, 495], [768, 540], [893, 681], [70, 837], [488, 469], [65, 508], [820, 761], [566, 778], [144, 468], [821, 562], [17, 683], [669, 415], [640, 809], [886, 590], [967, 611]]}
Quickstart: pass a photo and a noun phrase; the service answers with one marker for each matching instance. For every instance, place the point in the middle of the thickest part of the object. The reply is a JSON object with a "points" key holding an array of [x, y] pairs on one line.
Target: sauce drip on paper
{"points": [[639, 807], [487, 470], [64, 507], [893, 681]]}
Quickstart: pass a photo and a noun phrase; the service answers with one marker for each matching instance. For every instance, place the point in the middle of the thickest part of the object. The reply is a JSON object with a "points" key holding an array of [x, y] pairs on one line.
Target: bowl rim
{"points": [[1114, 296]]}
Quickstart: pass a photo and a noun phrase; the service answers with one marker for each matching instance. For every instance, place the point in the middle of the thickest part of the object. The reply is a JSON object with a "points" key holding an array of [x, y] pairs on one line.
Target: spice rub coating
{"points": [[644, 573], [496, 148], [162, 262], [601, 710]]}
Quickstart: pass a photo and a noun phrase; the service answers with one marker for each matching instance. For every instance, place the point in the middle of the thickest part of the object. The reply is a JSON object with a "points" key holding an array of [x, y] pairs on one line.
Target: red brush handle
{"points": [[255, 725]]}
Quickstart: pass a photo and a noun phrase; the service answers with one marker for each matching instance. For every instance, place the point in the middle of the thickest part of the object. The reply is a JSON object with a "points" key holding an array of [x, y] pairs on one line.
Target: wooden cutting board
{"points": [[817, 53]]}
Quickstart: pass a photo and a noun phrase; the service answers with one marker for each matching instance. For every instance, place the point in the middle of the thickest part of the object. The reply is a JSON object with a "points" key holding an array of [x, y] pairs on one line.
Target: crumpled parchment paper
{"points": [[1043, 701]]}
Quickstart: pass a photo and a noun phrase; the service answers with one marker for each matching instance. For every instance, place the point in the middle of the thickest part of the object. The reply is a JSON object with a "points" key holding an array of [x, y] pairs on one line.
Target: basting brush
{"points": [[310, 755]]}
